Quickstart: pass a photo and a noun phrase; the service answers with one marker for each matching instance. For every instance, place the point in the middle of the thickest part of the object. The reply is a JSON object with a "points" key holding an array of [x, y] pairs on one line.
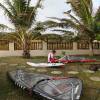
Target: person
{"points": [[51, 56]]}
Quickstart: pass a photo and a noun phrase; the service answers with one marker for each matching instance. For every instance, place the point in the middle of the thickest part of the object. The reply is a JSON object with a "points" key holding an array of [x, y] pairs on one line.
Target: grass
{"points": [[91, 89]]}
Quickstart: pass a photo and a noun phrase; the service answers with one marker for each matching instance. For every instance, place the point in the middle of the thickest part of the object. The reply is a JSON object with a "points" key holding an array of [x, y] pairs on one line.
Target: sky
{"points": [[51, 8]]}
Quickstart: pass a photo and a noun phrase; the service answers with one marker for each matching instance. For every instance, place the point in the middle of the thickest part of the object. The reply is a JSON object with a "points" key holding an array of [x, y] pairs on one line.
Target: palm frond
{"points": [[5, 27], [53, 24], [73, 17], [50, 36], [11, 7], [90, 5], [86, 12], [6, 10], [82, 9], [97, 15], [34, 11], [38, 27], [70, 23], [64, 31], [20, 6]]}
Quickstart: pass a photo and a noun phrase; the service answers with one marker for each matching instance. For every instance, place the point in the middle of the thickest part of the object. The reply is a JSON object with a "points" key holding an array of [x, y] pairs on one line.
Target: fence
{"points": [[83, 45], [41, 48], [4, 45], [35, 45], [96, 45], [59, 45]]}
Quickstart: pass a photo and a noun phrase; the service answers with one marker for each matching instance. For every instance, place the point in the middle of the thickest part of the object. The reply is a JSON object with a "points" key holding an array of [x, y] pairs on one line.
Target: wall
{"points": [[44, 51]]}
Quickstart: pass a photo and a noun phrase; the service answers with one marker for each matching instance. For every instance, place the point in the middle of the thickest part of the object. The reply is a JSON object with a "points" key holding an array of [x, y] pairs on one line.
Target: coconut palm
{"points": [[4, 27], [85, 22], [23, 16], [98, 24], [81, 19]]}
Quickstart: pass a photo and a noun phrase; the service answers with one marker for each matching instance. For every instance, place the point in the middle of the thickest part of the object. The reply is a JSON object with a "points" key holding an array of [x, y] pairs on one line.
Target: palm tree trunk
{"points": [[26, 54], [91, 48], [26, 50]]}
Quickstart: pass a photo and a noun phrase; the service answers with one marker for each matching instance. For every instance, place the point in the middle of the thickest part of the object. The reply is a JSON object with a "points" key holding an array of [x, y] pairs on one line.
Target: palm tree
{"points": [[4, 27], [98, 24], [23, 16], [85, 22], [81, 19]]}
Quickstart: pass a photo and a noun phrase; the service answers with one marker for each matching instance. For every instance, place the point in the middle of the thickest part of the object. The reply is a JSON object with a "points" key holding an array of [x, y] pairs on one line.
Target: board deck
{"points": [[45, 64]]}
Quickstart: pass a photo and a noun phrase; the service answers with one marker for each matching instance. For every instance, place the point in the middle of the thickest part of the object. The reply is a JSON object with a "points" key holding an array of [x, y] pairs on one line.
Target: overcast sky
{"points": [[51, 8]]}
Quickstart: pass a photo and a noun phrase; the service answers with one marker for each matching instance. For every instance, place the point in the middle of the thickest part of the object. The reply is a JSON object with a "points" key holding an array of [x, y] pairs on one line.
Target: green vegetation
{"points": [[80, 22], [91, 89], [23, 17]]}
